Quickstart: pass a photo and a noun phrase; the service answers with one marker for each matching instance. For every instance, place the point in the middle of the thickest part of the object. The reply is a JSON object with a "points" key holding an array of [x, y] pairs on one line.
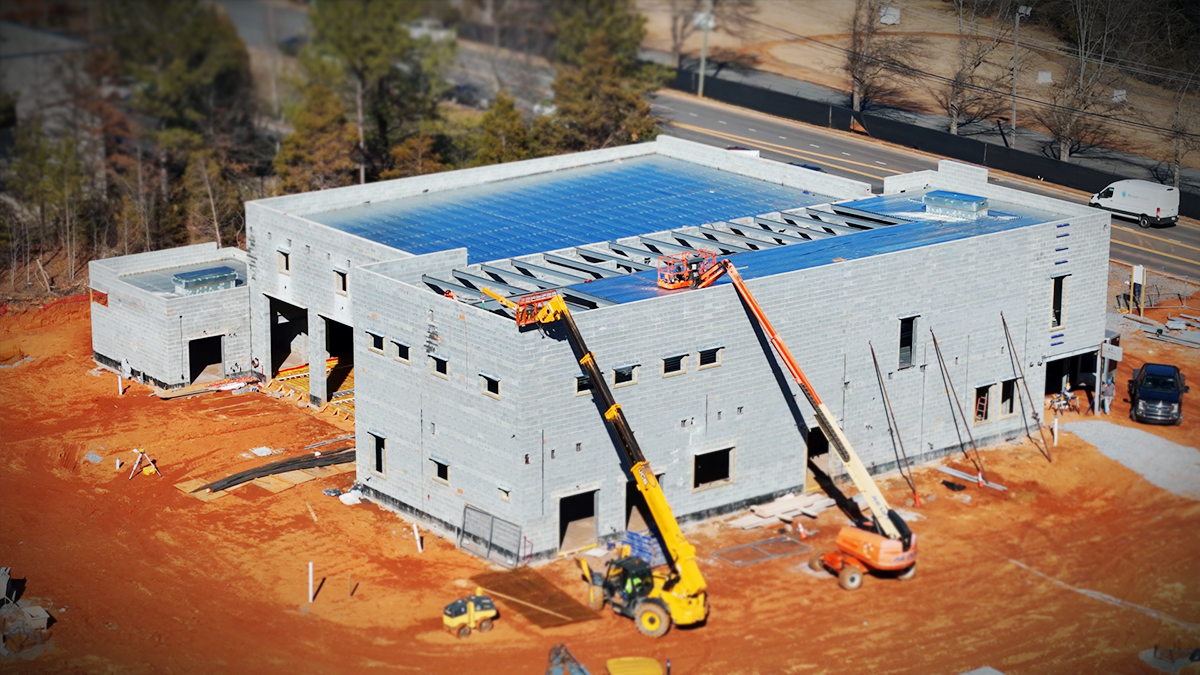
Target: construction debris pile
{"points": [[24, 626], [1177, 330], [785, 509]]}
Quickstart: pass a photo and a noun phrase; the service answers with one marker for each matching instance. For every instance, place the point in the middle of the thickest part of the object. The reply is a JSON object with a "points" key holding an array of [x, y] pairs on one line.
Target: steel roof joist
{"points": [[701, 240], [879, 218], [542, 269], [579, 265], [849, 221], [815, 223], [751, 241], [666, 246], [762, 232], [811, 232], [619, 259], [634, 252], [480, 282]]}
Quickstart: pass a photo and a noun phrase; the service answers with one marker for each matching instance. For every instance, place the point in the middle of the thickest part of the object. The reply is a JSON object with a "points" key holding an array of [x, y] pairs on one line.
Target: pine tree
{"points": [[596, 106], [414, 157], [579, 21], [505, 138], [319, 154]]}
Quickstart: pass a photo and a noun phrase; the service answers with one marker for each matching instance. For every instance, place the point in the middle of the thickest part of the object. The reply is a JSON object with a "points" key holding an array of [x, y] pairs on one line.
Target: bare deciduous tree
{"points": [[1185, 121], [730, 16], [973, 93], [1081, 101], [876, 56]]}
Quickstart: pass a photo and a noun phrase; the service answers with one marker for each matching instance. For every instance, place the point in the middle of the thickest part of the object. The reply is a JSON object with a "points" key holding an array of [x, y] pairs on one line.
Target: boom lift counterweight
{"points": [[883, 542], [653, 601]]}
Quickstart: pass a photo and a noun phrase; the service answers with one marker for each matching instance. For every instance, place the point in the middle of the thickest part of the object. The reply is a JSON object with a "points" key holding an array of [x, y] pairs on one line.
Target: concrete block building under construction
{"points": [[465, 421]]}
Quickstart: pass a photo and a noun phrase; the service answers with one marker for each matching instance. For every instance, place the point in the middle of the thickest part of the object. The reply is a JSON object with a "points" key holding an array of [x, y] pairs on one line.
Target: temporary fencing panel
{"points": [[489, 537]]}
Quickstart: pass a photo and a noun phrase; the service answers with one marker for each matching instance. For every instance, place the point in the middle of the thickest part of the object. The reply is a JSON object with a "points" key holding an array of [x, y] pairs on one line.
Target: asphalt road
{"points": [[1174, 250]]}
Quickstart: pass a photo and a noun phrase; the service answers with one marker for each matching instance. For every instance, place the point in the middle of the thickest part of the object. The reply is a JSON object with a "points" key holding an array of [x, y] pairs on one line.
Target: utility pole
{"points": [[707, 18], [1022, 11]]}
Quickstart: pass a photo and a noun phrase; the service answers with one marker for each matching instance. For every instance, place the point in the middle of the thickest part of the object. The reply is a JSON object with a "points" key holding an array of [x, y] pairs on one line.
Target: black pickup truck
{"points": [[1156, 394]]}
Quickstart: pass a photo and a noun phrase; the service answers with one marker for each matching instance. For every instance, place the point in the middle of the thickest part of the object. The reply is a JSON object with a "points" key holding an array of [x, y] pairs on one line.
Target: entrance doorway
{"points": [[205, 359], [289, 336], [577, 521], [1078, 371], [339, 344]]}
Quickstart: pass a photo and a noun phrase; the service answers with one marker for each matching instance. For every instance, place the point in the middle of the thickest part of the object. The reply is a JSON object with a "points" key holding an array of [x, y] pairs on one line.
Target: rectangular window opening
{"points": [[674, 365], [439, 366], [583, 384], [1058, 303], [625, 375], [340, 282], [285, 262], [712, 469], [400, 352], [505, 495], [710, 358], [908, 328], [378, 454], [983, 404], [441, 472], [376, 342], [489, 385], [1008, 398]]}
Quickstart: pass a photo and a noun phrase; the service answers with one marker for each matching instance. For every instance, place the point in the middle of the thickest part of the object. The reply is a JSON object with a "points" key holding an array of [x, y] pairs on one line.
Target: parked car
{"points": [[1156, 394], [1140, 200]]}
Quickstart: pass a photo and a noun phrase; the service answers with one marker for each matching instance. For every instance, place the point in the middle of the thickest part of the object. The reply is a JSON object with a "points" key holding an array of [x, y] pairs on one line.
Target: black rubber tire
{"points": [[595, 597], [908, 574], [485, 625], [1144, 222], [463, 631], [816, 563], [850, 578], [652, 620]]}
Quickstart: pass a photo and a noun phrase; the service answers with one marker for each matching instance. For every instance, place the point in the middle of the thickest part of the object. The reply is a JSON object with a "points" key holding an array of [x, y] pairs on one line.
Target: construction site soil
{"points": [[1077, 568]]}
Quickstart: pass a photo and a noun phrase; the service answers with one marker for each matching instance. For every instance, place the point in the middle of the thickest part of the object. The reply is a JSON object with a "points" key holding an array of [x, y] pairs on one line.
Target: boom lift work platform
{"points": [[881, 543], [653, 601]]}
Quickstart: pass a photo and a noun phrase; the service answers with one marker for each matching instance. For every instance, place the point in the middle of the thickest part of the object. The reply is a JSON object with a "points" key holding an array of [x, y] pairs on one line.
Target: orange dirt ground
{"points": [[142, 578]]}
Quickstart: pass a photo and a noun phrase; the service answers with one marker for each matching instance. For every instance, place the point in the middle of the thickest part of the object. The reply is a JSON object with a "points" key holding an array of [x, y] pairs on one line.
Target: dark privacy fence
{"points": [[937, 142]]}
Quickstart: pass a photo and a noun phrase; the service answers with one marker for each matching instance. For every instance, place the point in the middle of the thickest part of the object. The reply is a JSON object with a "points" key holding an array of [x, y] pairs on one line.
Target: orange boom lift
{"points": [[882, 542]]}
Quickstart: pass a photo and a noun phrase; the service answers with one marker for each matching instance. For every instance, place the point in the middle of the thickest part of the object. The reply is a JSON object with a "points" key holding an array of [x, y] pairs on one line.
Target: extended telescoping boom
{"points": [[683, 593], [698, 269]]}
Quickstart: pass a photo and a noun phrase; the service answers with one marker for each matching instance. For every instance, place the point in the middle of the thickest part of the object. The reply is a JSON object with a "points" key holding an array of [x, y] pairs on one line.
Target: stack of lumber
{"points": [[785, 509]]}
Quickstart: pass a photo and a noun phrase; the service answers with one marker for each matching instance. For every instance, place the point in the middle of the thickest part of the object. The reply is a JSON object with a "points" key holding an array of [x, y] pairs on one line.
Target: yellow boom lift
{"points": [[653, 601], [881, 543]]}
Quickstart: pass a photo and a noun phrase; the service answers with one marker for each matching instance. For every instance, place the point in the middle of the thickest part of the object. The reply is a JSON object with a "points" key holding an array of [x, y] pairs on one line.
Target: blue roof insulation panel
{"points": [[929, 229], [566, 208]]}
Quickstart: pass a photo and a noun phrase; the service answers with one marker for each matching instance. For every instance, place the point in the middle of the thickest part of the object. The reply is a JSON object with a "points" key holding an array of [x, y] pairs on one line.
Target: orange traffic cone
{"points": [[916, 499], [981, 481], [800, 531]]}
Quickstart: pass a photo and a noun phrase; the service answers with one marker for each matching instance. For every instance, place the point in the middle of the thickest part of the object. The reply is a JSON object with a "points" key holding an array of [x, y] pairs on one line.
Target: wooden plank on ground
{"points": [[187, 486], [323, 471], [534, 597], [272, 484], [295, 477]]}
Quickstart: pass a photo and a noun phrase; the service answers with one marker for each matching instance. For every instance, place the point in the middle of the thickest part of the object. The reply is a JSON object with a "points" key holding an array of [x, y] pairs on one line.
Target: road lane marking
{"points": [[693, 114], [791, 152], [783, 148], [722, 122], [814, 145], [881, 163], [754, 130], [1150, 250], [1152, 236], [784, 137]]}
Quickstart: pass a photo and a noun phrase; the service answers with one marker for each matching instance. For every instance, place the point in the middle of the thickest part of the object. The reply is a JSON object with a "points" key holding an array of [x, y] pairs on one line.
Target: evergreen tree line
{"points": [[163, 140]]}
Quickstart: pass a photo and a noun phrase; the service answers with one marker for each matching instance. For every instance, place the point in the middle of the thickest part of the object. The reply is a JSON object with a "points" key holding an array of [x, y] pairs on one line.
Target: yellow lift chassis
{"points": [[658, 602]]}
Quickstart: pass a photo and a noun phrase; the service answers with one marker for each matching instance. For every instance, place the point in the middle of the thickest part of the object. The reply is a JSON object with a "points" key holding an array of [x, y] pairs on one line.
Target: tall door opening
{"points": [[289, 336], [206, 361], [339, 344], [577, 521], [637, 513]]}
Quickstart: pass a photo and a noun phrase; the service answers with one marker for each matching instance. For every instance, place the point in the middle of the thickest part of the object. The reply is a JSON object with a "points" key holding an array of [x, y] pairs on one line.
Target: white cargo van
{"points": [[1140, 200]]}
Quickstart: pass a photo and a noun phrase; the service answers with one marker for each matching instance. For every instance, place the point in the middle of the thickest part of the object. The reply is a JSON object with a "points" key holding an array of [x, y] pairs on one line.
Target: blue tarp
{"points": [[566, 208]]}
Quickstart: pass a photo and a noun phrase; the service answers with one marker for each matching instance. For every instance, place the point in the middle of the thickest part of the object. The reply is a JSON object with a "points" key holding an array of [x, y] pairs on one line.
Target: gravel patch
{"points": [[1168, 465]]}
